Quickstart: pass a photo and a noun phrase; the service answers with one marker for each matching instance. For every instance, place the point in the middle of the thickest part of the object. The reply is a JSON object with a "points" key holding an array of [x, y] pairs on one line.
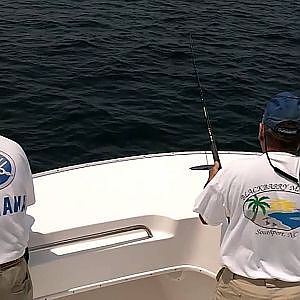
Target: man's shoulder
{"points": [[249, 159], [6, 142], [7, 145], [245, 163]]}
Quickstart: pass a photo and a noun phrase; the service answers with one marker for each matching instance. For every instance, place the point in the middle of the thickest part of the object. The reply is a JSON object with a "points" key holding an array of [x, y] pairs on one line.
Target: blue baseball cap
{"points": [[282, 114]]}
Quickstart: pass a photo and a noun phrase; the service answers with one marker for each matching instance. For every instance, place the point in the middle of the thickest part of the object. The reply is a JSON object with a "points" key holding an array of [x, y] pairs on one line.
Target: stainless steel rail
{"points": [[96, 236]]}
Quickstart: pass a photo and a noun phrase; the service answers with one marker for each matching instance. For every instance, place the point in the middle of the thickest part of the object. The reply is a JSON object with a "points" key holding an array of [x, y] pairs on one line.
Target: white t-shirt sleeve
{"points": [[27, 177], [210, 203], [30, 188]]}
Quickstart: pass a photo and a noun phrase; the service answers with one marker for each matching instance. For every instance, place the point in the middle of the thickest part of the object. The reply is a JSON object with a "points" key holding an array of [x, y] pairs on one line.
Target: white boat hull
{"points": [[124, 229]]}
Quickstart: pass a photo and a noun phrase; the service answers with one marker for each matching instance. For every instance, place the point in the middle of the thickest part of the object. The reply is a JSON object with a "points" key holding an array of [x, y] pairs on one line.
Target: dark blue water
{"points": [[290, 219], [89, 80]]}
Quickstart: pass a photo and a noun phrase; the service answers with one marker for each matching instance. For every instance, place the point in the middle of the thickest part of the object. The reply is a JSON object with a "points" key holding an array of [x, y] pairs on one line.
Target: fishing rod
{"points": [[212, 140]]}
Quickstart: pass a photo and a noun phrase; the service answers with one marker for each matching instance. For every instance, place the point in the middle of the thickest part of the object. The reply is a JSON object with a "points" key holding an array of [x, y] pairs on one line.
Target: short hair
{"points": [[282, 141]]}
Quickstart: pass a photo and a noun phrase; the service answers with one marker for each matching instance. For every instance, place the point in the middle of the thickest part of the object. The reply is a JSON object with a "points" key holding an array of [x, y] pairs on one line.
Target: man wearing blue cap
{"points": [[257, 201]]}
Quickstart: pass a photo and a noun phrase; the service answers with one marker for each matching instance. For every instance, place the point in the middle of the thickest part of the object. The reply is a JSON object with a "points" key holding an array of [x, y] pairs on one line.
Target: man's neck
{"points": [[276, 149]]}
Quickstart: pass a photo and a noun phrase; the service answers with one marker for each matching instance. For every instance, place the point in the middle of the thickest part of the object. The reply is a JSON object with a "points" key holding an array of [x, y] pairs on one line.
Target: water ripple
{"points": [[95, 80]]}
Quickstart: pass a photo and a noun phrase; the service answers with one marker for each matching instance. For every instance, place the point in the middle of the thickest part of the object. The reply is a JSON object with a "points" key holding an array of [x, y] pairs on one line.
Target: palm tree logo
{"points": [[257, 203]]}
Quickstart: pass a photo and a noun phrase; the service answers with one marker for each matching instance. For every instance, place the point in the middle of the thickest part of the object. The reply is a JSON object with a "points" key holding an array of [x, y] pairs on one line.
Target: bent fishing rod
{"points": [[212, 140]]}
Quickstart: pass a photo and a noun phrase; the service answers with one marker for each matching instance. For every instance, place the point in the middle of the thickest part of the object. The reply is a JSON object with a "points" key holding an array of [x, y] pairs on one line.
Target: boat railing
{"points": [[118, 233]]}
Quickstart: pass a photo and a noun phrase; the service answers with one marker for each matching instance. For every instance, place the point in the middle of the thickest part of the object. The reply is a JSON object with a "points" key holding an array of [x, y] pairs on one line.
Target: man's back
{"points": [[262, 239], [16, 193]]}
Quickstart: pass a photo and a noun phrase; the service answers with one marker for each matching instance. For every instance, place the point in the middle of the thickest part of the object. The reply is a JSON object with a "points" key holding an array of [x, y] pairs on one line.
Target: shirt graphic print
{"points": [[275, 206]]}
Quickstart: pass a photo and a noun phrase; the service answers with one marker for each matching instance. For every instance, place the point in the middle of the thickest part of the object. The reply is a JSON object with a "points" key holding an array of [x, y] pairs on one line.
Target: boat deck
{"points": [[117, 222]]}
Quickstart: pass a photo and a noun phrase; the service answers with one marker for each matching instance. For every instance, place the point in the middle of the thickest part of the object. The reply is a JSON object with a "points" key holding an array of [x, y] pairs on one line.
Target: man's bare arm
{"points": [[212, 173]]}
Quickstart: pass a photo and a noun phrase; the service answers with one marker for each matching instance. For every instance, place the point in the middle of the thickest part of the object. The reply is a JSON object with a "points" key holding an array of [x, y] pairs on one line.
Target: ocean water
{"points": [[82, 81]]}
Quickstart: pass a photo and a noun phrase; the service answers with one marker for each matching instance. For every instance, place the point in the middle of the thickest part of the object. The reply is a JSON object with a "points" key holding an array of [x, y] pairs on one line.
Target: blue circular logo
{"points": [[7, 170]]}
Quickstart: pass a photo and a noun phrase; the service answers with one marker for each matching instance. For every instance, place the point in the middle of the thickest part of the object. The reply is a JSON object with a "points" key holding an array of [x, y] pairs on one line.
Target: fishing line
{"points": [[212, 140]]}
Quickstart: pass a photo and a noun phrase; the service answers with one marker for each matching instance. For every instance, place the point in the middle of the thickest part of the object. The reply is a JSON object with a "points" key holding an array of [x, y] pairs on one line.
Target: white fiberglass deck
{"points": [[160, 185], [115, 223]]}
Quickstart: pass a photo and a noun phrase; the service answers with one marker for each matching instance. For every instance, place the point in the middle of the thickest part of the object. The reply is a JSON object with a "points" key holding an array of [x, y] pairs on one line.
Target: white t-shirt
{"points": [[262, 239], [16, 193]]}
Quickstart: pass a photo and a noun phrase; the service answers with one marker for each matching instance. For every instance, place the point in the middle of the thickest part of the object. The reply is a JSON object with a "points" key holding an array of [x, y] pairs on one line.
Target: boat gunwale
{"points": [[135, 157]]}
